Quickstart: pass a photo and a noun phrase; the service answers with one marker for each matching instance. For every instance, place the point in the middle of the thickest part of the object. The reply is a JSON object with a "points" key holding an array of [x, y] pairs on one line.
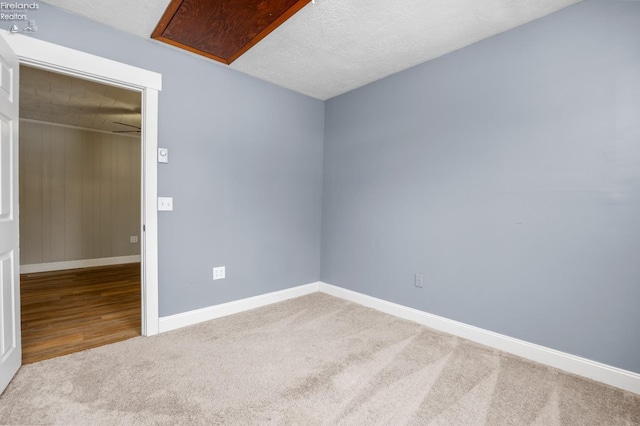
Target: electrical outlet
{"points": [[133, 239], [419, 281], [218, 273]]}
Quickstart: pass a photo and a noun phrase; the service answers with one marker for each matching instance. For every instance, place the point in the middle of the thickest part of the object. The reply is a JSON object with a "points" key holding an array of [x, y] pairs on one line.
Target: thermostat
{"points": [[163, 155]]}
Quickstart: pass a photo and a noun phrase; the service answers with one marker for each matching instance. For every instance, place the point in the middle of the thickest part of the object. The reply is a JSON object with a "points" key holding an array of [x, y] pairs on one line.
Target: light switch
{"points": [[163, 155], [165, 204]]}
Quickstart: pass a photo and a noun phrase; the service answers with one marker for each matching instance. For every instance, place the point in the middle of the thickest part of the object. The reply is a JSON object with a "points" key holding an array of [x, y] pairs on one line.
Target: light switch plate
{"points": [[163, 155], [165, 204]]}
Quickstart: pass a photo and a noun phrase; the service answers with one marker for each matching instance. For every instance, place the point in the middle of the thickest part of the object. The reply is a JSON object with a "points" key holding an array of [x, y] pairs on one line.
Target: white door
{"points": [[10, 346]]}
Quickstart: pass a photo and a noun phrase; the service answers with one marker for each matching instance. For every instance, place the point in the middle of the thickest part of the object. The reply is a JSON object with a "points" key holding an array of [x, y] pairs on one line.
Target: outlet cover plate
{"points": [[419, 282], [219, 273]]}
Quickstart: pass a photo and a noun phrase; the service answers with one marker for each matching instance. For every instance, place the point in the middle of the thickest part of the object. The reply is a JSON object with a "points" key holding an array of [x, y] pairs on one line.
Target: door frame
{"points": [[51, 57]]}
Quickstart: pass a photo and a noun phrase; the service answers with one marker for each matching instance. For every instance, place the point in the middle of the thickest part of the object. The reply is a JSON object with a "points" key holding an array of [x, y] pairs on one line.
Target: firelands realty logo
{"points": [[16, 11]]}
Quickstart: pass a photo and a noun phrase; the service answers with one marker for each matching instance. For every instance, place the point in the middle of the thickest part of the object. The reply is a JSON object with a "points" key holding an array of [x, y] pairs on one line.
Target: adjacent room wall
{"points": [[508, 173], [79, 194], [245, 170]]}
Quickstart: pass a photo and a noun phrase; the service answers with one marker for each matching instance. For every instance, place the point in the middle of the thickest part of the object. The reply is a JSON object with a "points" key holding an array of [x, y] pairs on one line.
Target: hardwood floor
{"points": [[77, 309]]}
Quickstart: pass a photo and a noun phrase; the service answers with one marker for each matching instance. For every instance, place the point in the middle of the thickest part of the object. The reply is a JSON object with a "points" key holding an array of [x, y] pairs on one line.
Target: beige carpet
{"points": [[315, 360]]}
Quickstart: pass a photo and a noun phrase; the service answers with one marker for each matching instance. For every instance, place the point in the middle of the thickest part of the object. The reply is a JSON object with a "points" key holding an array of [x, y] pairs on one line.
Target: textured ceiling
{"points": [[56, 98], [334, 46]]}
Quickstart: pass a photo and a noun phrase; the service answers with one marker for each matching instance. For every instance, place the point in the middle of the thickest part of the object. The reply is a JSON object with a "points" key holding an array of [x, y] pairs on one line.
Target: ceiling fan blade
{"points": [[128, 125]]}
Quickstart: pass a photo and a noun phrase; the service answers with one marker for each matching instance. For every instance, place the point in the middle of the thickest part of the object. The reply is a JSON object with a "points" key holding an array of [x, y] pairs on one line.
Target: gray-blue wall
{"points": [[245, 170], [508, 173]]}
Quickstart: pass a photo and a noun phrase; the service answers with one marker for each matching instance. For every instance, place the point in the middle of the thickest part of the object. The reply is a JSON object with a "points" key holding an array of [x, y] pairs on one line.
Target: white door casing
{"points": [[52, 57], [10, 342]]}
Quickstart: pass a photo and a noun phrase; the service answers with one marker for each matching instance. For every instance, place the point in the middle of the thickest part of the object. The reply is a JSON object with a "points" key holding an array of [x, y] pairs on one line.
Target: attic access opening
{"points": [[222, 30]]}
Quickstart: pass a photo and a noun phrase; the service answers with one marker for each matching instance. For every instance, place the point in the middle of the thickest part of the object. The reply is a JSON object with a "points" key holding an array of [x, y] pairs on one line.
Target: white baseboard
{"points": [[613, 376], [75, 264], [184, 319]]}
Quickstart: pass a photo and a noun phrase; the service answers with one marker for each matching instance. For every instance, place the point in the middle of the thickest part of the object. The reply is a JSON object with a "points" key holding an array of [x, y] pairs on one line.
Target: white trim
{"points": [[39, 53], [149, 213], [613, 376], [51, 57], [75, 264], [184, 319]]}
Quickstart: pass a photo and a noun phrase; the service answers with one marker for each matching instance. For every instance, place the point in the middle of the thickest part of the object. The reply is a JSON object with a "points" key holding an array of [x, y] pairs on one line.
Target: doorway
{"points": [[18, 49], [52, 57], [80, 210]]}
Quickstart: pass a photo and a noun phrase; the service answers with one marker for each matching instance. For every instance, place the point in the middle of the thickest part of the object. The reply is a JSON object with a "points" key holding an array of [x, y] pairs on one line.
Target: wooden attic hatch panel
{"points": [[222, 29]]}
